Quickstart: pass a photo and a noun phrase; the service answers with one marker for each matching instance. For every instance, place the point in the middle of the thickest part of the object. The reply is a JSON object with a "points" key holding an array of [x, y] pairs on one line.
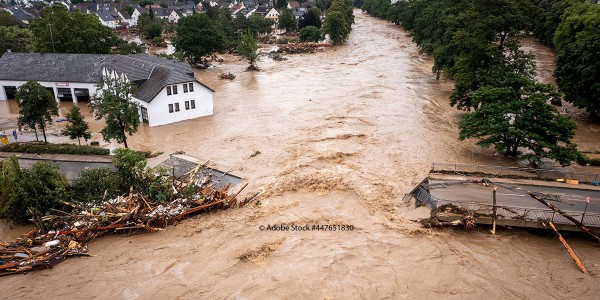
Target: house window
{"points": [[187, 104], [177, 106], [193, 104], [185, 88], [144, 114], [191, 86], [168, 91], [170, 108], [174, 89]]}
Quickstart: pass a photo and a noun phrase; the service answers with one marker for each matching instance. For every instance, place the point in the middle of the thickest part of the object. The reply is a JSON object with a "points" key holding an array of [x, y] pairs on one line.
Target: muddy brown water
{"points": [[343, 134]]}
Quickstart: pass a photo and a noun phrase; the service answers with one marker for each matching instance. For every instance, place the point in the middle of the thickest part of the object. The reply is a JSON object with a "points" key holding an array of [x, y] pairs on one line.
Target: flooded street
{"points": [[343, 134]]}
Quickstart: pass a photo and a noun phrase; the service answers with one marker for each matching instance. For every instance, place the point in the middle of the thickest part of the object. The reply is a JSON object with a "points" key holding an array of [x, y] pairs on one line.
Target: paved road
{"points": [[69, 168], [570, 199]]}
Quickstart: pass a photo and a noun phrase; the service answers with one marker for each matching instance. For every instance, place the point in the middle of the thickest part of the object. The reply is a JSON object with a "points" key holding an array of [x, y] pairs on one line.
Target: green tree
{"points": [[255, 23], [37, 106], [92, 186], [197, 36], [310, 34], [337, 27], [113, 104], [58, 31], [15, 39], [512, 119], [77, 127], [345, 7], [577, 42], [38, 188], [153, 29], [287, 20], [129, 9], [6, 19], [279, 4], [248, 47], [310, 18]]}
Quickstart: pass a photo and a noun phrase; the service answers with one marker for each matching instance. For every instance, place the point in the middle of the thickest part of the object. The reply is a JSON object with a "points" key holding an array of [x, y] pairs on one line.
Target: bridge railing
{"points": [[543, 174]]}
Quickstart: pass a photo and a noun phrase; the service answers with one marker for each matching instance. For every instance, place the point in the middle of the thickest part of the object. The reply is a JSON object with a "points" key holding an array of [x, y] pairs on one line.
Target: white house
{"points": [[174, 16], [272, 14], [126, 18], [137, 12], [167, 90], [107, 18]]}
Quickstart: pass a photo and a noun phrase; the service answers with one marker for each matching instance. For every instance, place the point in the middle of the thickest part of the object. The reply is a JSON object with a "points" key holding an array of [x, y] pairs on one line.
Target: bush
{"points": [[310, 34], [38, 188], [39, 148], [133, 172], [93, 186], [595, 162], [582, 159]]}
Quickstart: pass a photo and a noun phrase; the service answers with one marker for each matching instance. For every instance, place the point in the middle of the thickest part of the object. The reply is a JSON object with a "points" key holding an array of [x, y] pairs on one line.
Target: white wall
{"points": [[158, 109], [54, 85]]}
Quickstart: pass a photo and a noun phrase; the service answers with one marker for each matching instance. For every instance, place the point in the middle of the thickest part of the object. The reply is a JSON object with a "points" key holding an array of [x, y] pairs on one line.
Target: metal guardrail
{"points": [[543, 174], [510, 212]]}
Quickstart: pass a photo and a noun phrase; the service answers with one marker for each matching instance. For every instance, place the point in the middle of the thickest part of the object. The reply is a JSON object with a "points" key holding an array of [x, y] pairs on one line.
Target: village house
{"points": [[108, 17], [272, 14], [167, 90]]}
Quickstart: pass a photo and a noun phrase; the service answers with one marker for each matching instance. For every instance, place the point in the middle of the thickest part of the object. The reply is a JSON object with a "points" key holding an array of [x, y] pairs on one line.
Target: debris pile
{"points": [[277, 57], [64, 234], [294, 48], [229, 76], [267, 39]]}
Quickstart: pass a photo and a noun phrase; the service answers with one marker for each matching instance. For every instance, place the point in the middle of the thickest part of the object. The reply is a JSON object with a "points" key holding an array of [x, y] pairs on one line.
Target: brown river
{"points": [[343, 134]]}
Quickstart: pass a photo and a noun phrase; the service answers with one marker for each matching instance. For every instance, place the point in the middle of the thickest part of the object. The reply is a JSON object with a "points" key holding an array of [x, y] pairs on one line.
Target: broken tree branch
{"points": [[562, 213], [562, 240]]}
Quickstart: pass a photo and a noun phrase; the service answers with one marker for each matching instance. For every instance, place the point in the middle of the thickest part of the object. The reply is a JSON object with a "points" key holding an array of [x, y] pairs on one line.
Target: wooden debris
{"points": [[294, 48], [562, 213], [68, 234], [229, 76], [562, 240]]}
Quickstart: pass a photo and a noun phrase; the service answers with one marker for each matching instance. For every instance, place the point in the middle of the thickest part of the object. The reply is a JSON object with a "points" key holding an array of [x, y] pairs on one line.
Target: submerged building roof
{"points": [[149, 72]]}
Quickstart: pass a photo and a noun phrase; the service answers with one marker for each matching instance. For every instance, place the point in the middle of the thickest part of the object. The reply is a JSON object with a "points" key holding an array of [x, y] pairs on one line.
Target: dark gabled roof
{"points": [[153, 72], [160, 12], [171, 63], [21, 14], [157, 81], [125, 14], [105, 15], [53, 67]]}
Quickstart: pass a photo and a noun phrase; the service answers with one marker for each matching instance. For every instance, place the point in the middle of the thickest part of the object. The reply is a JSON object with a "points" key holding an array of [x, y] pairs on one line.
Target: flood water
{"points": [[343, 134]]}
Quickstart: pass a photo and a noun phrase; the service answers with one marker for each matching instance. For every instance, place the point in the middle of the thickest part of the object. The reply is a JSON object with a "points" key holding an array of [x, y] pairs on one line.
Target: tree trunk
{"points": [[79, 141], [44, 133], [36, 135]]}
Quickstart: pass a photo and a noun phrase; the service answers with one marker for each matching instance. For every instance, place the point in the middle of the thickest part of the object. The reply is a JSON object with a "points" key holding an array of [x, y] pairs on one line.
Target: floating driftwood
{"points": [[562, 240], [229, 76], [69, 233]]}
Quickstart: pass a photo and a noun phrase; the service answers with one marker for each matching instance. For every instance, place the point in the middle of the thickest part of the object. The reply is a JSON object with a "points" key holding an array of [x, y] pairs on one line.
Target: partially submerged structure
{"points": [[167, 89], [454, 194]]}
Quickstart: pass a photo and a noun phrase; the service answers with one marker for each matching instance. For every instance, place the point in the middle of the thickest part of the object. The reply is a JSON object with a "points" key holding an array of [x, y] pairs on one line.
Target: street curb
{"points": [[102, 159]]}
